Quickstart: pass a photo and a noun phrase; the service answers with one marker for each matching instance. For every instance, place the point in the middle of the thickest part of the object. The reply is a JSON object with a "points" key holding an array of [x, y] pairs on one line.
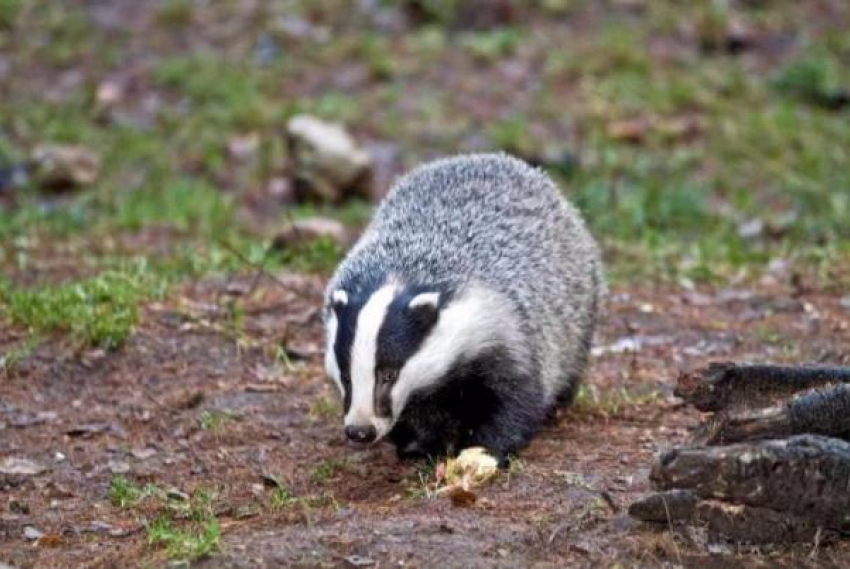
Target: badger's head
{"points": [[393, 341]]}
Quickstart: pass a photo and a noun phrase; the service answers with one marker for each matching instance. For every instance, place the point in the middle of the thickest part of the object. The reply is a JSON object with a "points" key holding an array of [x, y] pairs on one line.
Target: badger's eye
{"points": [[387, 376]]}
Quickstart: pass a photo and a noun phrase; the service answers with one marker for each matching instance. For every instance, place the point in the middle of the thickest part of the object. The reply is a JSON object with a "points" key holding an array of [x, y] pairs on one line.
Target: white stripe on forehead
{"points": [[363, 352]]}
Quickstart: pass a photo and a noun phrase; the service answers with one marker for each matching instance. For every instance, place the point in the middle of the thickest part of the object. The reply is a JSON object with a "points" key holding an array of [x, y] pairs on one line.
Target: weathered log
{"points": [[824, 411], [806, 476], [666, 507], [750, 524], [723, 385]]}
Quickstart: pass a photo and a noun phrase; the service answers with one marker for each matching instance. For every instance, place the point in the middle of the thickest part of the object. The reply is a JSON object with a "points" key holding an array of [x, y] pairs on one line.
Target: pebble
{"points": [[31, 533]]}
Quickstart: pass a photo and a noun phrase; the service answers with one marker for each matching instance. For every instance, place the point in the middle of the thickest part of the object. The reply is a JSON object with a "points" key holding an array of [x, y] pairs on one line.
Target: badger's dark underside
{"points": [[487, 402]]}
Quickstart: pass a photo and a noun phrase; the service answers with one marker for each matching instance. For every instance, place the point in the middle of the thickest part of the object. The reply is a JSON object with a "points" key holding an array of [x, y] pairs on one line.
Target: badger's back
{"points": [[492, 220]]}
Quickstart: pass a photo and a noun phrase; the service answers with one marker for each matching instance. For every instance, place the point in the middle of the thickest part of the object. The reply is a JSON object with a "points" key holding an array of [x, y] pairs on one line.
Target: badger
{"points": [[463, 315]]}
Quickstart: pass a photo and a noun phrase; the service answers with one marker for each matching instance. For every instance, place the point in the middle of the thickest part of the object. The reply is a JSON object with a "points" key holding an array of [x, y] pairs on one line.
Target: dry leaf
{"points": [[461, 497]]}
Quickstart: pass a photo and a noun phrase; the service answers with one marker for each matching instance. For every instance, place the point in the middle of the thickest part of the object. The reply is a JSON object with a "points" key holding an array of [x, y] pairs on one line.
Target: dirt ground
{"points": [[145, 413], [693, 136]]}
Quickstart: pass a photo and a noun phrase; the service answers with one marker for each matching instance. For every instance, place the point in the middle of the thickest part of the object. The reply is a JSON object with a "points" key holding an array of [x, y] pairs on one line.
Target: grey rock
{"points": [[327, 165]]}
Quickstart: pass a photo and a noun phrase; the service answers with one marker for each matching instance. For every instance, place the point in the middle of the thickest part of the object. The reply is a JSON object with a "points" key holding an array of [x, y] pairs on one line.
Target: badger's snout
{"points": [[361, 433]]}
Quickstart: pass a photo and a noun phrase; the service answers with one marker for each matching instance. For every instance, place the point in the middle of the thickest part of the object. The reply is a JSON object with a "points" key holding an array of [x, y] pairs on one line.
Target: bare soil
{"points": [[89, 416]]}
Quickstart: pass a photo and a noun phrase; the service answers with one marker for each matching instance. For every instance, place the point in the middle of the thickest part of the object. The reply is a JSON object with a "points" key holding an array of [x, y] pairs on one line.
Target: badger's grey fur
{"points": [[465, 312]]}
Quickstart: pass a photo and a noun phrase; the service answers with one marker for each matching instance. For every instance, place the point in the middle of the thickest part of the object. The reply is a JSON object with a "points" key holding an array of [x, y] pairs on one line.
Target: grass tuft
{"points": [[100, 311], [215, 420], [185, 545]]}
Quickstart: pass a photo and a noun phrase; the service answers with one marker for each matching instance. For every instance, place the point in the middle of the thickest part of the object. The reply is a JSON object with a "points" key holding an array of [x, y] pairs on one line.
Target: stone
{"points": [[326, 163]]}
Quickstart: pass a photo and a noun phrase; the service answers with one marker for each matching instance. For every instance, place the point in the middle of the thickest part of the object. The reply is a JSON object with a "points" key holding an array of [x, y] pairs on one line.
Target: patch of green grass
{"points": [[491, 45], [199, 534], [282, 498], [327, 469], [815, 79], [175, 13], [330, 105], [422, 486], [352, 213], [125, 494], [214, 420], [184, 204], [610, 403], [67, 31], [223, 96], [9, 10], [377, 52], [323, 409], [199, 507], [100, 311], [12, 357], [185, 544], [512, 134], [205, 79], [317, 256]]}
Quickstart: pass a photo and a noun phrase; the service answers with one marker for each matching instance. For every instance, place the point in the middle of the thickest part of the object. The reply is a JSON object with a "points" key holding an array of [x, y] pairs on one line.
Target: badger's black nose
{"points": [[361, 434]]}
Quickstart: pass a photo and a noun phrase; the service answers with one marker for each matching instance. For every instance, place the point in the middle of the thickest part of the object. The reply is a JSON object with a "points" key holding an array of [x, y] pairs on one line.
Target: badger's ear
{"points": [[339, 299], [425, 307]]}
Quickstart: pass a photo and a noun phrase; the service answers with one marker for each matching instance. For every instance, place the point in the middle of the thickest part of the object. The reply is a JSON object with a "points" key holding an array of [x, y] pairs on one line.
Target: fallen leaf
{"points": [[143, 453], [50, 540], [632, 130], [461, 498]]}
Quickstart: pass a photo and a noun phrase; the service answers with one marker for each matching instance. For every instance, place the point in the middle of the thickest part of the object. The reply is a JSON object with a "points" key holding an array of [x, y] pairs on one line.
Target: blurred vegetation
{"points": [[701, 140]]}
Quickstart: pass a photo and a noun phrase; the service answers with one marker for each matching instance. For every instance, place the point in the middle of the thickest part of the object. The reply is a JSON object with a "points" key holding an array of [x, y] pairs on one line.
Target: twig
{"points": [[261, 270]]}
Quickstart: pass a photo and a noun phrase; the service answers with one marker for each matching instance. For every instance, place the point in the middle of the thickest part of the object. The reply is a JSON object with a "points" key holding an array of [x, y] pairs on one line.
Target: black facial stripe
{"points": [[346, 324], [401, 335], [346, 315]]}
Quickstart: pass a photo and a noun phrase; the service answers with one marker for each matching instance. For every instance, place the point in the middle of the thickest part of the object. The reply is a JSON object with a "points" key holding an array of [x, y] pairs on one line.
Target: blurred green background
{"points": [[707, 142]]}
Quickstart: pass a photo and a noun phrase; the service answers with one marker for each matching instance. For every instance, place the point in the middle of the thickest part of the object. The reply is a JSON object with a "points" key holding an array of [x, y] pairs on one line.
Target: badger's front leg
{"points": [[503, 415]]}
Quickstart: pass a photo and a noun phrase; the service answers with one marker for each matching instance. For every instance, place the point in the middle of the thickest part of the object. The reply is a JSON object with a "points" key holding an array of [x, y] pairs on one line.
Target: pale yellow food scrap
{"points": [[472, 467]]}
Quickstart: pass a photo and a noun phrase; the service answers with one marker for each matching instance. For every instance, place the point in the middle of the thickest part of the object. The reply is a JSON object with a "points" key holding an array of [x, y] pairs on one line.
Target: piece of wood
{"points": [[824, 411], [754, 525], [805, 475], [666, 507], [724, 385]]}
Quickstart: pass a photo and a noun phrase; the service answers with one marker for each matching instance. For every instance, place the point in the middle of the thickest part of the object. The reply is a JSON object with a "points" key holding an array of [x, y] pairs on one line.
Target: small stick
{"points": [[261, 270]]}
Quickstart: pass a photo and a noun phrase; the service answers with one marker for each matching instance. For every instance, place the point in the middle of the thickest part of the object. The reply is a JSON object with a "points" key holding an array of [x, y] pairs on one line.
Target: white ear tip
{"points": [[431, 299], [340, 297]]}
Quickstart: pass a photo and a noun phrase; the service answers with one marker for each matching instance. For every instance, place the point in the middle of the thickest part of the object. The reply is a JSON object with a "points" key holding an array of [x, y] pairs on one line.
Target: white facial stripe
{"points": [[475, 321], [425, 299], [331, 365], [363, 351], [340, 297]]}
